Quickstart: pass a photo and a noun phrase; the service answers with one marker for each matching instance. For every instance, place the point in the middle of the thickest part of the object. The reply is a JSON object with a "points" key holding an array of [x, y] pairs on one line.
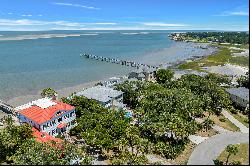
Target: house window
{"points": [[59, 120], [53, 122], [53, 132], [73, 122], [58, 113]]}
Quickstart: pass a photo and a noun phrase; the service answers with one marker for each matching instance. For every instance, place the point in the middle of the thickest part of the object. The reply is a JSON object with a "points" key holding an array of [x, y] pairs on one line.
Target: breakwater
{"points": [[117, 61]]}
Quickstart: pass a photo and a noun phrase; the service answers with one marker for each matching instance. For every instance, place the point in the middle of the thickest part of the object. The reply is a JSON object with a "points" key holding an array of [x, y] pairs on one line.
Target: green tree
{"points": [[218, 162], [205, 89], [48, 92], [207, 124], [35, 153], [231, 150], [218, 79], [164, 75], [12, 137], [98, 126], [243, 81]]}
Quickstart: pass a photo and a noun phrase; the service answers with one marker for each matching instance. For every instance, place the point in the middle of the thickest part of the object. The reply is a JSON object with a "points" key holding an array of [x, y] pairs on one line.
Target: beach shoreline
{"points": [[63, 92]]}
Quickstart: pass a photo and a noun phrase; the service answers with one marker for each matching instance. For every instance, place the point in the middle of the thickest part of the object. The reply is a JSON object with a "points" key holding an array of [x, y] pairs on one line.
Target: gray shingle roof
{"points": [[100, 93], [141, 75], [240, 92]]}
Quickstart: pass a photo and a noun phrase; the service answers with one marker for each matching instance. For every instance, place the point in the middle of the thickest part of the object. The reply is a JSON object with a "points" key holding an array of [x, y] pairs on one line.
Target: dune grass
{"points": [[222, 57], [224, 123]]}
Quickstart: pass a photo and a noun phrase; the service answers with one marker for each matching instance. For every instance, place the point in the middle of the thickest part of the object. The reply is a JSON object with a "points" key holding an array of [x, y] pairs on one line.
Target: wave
{"points": [[90, 34], [43, 36]]}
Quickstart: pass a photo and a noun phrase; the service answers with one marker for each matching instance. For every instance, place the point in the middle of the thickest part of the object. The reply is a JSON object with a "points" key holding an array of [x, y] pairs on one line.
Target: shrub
{"points": [[222, 119], [218, 162], [235, 163], [234, 111]]}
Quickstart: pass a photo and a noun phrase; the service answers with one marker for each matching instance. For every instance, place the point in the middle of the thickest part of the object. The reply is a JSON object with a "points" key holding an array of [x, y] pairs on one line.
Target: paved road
{"points": [[210, 149], [242, 128]]}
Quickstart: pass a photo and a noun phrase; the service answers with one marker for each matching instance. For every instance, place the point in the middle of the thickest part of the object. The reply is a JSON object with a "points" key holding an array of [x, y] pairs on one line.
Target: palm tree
{"points": [[207, 124], [49, 92], [232, 150]]}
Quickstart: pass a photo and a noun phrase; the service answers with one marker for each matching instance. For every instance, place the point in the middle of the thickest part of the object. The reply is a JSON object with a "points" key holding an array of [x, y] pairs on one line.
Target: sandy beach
{"points": [[177, 53], [64, 92], [228, 69]]}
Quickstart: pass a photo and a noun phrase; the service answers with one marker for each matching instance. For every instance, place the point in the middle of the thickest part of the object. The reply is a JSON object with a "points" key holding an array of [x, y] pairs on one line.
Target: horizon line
{"points": [[125, 30]]}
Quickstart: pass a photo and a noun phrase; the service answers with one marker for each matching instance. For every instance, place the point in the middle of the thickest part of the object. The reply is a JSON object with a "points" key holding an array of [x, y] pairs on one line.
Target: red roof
{"points": [[40, 115], [44, 137], [61, 125]]}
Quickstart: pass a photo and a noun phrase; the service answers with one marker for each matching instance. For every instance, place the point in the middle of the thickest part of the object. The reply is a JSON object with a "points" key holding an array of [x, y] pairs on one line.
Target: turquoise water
{"points": [[27, 66]]}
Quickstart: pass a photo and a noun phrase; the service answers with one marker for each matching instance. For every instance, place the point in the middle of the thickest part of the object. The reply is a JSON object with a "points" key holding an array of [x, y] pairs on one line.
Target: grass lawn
{"points": [[219, 58], [242, 155], [241, 61], [245, 46], [182, 159], [222, 57], [224, 123]]}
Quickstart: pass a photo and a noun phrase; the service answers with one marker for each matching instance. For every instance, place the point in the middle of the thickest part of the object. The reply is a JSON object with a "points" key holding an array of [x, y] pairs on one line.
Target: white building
{"points": [[106, 96], [47, 115]]}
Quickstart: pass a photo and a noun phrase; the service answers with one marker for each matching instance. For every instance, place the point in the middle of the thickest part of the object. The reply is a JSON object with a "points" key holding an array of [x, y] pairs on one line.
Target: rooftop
{"points": [[179, 73], [240, 92], [144, 69], [42, 110], [100, 93], [43, 137], [42, 103]]}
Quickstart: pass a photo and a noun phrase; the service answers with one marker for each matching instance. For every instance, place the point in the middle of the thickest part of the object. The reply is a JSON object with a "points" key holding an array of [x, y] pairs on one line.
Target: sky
{"points": [[36, 15]]}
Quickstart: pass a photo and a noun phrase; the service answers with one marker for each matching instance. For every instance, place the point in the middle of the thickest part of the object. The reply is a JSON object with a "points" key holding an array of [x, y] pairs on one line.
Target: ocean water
{"points": [[31, 61]]}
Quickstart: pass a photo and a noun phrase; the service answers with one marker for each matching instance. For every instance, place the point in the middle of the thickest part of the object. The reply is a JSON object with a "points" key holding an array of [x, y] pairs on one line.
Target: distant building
{"points": [[47, 116], [239, 96], [145, 74], [114, 80], [106, 96]]}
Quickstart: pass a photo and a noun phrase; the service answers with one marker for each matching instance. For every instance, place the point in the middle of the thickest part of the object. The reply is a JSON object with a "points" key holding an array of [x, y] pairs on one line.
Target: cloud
{"points": [[240, 13], [27, 15], [10, 13], [7, 22], [75, 5], [26, 22], [160, 24], [37, 25], [234, 13], [40, 15], [104, 23]]}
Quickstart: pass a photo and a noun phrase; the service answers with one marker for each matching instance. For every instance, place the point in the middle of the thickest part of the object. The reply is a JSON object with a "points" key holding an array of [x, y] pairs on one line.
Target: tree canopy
{"points": [[48, 92], [243, 81]]}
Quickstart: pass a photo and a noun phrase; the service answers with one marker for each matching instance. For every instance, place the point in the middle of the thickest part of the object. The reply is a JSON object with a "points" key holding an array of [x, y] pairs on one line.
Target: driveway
{"points": [[210, 149]]}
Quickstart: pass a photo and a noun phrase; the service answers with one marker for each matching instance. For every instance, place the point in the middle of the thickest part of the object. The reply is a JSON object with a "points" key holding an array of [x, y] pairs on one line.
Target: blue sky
{"points": [[124, 15]]}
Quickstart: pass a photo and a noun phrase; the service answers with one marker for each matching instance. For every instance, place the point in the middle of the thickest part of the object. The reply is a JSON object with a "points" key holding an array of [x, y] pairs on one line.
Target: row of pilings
{"points": [[117, 61], [5, 107]]}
